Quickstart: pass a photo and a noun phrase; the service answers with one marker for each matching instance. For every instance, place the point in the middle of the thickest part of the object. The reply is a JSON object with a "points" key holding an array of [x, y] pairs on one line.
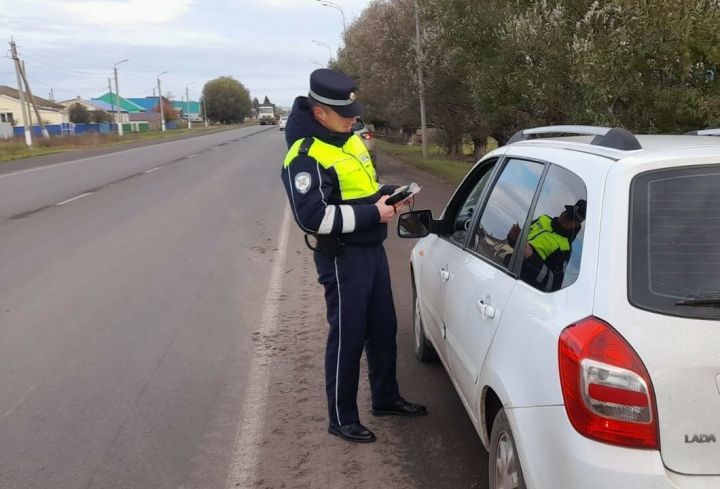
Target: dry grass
{"points": [[16, 148]]}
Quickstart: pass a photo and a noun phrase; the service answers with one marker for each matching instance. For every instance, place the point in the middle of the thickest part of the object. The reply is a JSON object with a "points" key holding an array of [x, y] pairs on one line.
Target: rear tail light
{"points": [[367, 135], [607, 390]]}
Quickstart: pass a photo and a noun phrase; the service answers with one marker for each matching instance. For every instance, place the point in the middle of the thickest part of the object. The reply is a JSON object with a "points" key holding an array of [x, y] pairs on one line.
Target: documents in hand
{"points": [[403, 193]]}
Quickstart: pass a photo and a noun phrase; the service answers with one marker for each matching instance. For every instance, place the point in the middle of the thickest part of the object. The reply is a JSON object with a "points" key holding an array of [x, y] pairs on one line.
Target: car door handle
{"points": [[444, 274], [486, 310]]}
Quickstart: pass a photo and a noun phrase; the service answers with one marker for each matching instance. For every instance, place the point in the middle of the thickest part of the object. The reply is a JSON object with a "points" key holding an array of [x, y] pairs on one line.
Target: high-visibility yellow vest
{"points": [[352, 165], [544, 240]]}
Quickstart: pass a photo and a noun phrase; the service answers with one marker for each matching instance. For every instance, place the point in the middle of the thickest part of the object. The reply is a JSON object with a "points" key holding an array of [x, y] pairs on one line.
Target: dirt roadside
{"points": [[441, 450]]}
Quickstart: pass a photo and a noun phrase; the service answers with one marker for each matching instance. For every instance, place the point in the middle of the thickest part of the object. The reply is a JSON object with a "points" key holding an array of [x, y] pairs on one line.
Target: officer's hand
{"points": [[407, 203], [387, 212]]}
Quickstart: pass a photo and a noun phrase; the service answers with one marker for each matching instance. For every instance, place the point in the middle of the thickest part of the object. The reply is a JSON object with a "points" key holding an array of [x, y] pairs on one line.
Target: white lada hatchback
{"points": [[571, 289]]}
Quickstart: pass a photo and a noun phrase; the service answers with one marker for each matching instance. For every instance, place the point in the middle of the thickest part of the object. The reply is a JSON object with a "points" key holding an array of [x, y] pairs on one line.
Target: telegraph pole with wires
{"points": [[112, 100], [117, 97], [44, 130], [24, 110], [421, 85], [160, 101]]}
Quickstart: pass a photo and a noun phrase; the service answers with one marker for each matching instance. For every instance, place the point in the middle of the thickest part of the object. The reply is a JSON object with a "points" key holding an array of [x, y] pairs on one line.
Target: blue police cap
{"points": [[335, 90]]}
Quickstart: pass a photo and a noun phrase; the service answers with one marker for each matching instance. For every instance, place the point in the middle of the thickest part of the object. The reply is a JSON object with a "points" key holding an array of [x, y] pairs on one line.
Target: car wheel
{"points": [[424, 350], [504, 467]]}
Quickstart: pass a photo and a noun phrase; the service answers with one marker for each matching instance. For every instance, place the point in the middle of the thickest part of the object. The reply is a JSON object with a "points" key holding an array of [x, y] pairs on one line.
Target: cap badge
{"points": [[352, 96]]}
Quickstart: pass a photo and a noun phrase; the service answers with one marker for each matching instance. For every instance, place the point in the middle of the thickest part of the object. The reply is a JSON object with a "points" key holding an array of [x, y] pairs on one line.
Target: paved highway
{"points": [[161, 327]]}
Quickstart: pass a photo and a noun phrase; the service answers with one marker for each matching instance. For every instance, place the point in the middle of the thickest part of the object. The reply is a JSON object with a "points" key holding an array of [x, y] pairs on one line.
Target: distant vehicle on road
{"points": [[266, 115], [282, 123], [362, 130], [571, 288]]}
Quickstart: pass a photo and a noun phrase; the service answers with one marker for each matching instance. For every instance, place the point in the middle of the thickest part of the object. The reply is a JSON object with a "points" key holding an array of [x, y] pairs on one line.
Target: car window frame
{"points": [[513, 270], [462, 193], [522, 240]]}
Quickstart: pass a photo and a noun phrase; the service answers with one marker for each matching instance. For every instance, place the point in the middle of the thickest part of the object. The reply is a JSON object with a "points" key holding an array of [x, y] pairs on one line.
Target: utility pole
{"points": [[187, 101], [204, 113], [160, 101], [421, 85], [117, 95], [25, 116], [44, 130], [112, 100], [327, 3], [52, 95]]}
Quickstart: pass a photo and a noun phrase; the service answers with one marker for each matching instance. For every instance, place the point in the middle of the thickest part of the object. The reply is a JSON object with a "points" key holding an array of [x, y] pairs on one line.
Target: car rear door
{"points": [[671, 313], [481, 280]]}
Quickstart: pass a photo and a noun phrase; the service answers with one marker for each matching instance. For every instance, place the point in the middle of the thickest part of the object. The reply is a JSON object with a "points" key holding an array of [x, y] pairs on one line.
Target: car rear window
{"points": [[675, 241]]}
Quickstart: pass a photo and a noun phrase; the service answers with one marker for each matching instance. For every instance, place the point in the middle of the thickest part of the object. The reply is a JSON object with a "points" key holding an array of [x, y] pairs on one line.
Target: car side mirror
{"points": [[415, 224]]}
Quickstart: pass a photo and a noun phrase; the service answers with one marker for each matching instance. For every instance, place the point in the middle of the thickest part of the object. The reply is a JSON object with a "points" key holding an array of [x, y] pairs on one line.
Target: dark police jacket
{"points": [[330, 181]]}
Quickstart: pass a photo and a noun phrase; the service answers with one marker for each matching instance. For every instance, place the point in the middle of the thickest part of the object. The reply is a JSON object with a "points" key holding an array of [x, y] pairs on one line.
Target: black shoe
{"points": [[401, 407], [354, 432]]}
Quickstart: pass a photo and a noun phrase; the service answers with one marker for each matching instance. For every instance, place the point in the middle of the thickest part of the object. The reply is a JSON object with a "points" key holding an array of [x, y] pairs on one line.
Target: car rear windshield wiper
{"points": [[701, 300]]}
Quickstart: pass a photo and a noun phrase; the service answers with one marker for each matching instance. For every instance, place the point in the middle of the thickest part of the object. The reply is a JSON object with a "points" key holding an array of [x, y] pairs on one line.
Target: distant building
{"points": [[11, 111], [150, 104], [188, 110], [97, 104], [125, 104]]}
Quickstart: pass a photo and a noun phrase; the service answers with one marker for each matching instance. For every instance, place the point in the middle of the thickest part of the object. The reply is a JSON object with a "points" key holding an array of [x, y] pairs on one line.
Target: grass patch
{"points": [[437, 163], [15, 149]]}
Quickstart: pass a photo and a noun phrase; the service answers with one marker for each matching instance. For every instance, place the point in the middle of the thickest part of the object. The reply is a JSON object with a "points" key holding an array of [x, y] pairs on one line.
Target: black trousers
{"points": [[361, 314]]}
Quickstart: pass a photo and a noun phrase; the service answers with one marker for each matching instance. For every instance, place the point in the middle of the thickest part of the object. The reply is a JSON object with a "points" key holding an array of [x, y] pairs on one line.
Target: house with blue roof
{"points": [[95, 105]]}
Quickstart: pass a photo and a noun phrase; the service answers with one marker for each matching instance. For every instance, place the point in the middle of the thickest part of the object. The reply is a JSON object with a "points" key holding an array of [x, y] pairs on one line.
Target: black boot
{"points": [[401, 407], [354, 432]]}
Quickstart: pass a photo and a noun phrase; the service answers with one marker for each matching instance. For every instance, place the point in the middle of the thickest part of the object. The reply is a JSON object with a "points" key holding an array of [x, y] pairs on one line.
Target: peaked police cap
{"points": [[336, 90]]}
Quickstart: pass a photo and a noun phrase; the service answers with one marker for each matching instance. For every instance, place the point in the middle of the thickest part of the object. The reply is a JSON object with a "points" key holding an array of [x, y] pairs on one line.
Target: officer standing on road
{"points": [[336, 199]]}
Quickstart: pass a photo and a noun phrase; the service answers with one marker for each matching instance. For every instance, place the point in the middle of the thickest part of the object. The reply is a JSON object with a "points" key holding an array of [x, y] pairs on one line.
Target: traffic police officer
{"points": [[336, 200]]}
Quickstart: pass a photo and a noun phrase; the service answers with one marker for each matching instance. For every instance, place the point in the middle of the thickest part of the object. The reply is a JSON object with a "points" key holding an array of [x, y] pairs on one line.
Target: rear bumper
{"points": [[554, 455]]}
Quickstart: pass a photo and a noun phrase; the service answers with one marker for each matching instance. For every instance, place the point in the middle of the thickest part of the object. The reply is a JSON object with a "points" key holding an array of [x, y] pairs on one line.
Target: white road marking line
{"points": [[152, 169], [74, 198], [20, 401], [191, 156], [248, 436]]}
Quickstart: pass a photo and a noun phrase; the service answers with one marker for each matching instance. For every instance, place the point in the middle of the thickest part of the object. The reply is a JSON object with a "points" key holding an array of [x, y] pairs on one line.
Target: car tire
{"points": [[504, 470], [424, 350]]}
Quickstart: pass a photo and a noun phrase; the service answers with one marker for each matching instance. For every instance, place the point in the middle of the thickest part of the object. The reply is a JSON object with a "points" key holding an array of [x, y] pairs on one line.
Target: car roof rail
{"points": [[616, 137], [704, 132]]}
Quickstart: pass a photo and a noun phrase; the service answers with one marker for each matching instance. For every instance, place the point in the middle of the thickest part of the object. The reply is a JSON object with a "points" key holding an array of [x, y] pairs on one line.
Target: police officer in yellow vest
{"points": [[336, 199], [549, 246]]}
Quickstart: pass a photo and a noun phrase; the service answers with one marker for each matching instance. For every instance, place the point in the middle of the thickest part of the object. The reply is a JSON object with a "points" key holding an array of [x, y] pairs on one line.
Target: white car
{"points": [[282, 123], [591, 359]]}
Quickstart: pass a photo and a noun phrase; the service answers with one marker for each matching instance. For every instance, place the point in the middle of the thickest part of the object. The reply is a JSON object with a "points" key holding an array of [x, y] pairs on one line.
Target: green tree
{"points": [[266, 101], [79, 114], [100, 116], [227, 100], [169, 112], [255, 103]]}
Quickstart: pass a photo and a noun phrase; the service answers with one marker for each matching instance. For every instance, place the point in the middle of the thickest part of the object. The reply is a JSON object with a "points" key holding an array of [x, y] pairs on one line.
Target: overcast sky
{"points": [[72, 45]]}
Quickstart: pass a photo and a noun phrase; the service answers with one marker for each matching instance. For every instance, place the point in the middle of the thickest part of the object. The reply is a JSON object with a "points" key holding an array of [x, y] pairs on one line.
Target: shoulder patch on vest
{"points": [[303, 181]]}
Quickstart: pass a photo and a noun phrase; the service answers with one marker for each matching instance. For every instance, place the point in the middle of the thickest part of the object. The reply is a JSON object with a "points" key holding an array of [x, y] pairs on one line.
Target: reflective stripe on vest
{"points": [[544, 240], [352, 164]]}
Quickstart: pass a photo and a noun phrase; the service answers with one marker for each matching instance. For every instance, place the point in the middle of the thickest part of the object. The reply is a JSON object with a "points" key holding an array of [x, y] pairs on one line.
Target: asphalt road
{"points": [[161, 327]]}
